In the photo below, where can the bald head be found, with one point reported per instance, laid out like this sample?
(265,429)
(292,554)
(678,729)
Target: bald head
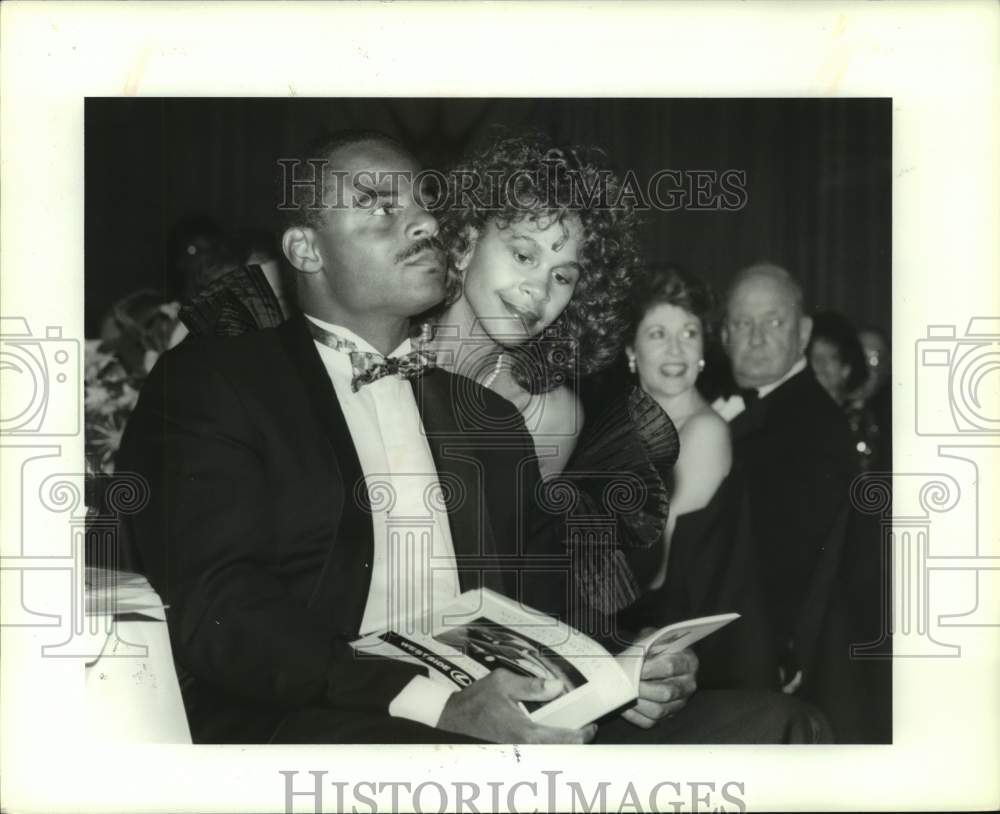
(768,273)
(765,331)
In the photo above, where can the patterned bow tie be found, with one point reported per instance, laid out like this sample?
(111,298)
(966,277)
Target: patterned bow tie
(367,367)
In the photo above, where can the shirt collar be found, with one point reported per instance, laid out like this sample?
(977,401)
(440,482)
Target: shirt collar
(794,370)
(362,344)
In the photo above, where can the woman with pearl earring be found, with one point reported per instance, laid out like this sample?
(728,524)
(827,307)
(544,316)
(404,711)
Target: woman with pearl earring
(538,280)
(671,325)
(708,561)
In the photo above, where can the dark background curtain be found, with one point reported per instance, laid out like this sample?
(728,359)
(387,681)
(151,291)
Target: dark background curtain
(818,177)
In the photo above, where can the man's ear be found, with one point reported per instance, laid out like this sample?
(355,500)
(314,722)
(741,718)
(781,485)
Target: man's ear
(471,239)
(299,246)
(805,332)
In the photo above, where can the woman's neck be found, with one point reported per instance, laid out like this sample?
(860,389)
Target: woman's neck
(464,347)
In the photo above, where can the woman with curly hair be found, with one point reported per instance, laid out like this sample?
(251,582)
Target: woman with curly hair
(541,257)
(542,246)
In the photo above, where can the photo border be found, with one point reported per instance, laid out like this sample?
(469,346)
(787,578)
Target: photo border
(939,65)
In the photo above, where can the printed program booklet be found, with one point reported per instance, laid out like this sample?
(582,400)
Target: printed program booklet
(482,630)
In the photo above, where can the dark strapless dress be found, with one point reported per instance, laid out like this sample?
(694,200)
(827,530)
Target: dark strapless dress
(713,569)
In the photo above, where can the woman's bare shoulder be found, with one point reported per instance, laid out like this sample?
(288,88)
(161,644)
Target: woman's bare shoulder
(707,431)
(705,459)
(707,421)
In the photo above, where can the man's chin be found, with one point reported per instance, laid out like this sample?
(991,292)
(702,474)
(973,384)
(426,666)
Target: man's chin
(423,299)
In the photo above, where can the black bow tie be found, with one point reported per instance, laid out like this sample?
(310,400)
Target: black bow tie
(749,395)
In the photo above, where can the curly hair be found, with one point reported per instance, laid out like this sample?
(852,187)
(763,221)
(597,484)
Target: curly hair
(672,285)
(530,177)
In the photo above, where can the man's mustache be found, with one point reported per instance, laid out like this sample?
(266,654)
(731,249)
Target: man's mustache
(422,245)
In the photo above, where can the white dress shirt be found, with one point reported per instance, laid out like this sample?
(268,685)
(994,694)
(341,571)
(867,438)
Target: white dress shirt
(734,405)
(413,569)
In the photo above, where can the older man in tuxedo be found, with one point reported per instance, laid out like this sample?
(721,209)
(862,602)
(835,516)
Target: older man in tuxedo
(794,446)
(266,533)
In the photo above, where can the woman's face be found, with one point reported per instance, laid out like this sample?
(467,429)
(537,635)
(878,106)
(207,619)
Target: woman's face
(668,346)
(518,280)
(831,372)
(876,360)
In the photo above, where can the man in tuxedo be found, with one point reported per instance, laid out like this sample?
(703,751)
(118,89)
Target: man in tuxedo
(795,448)
(281,463)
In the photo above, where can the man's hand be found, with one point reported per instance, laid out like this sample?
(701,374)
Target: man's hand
(488,710)
(666,682)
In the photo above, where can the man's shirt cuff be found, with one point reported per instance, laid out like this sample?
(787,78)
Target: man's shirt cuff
(422,700)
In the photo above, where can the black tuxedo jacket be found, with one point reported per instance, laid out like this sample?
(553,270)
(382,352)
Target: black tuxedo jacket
(794,447)
(257,536)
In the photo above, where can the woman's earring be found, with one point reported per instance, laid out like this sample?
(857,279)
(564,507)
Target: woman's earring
(425,333)
(701,364)
(631,364)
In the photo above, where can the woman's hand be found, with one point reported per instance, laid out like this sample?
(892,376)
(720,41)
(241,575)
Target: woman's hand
(666,682)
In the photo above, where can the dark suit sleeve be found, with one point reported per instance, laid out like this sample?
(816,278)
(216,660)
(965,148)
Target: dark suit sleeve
(207,546)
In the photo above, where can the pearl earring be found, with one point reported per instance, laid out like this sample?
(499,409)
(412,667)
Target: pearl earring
(631,364)
(701,364)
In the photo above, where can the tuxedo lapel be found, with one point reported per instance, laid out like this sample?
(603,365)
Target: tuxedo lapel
(322,397)
(346,576)
(753,419)
(462,478)
(750,420)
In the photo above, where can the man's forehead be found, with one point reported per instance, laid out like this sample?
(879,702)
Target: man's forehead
(373,157)
(762,292)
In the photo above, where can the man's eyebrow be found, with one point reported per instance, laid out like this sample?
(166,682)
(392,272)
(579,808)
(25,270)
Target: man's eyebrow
(376,197)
